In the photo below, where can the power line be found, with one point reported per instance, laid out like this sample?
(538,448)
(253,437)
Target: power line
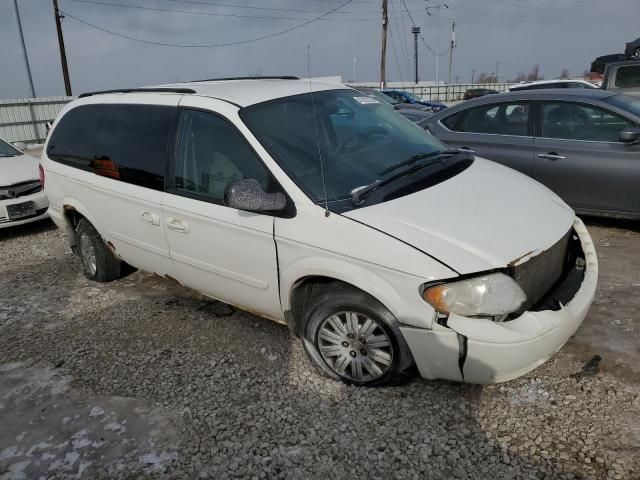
(212,45)
(194,12)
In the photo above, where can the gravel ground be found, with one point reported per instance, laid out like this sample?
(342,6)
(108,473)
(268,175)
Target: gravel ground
(142,378)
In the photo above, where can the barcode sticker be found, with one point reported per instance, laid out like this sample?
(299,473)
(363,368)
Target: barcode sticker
(365,100)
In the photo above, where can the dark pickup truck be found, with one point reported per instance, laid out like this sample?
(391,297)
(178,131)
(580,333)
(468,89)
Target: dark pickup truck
(623,77)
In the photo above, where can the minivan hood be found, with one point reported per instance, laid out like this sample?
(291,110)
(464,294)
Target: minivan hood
(489,216)
(21,168)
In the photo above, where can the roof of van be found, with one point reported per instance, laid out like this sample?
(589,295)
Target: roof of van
(245,92)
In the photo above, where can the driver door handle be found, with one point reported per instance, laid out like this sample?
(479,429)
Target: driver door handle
(152,218)
(177,225)
(551,156)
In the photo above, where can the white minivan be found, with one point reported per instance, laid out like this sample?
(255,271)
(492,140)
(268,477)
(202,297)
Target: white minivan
(314,205)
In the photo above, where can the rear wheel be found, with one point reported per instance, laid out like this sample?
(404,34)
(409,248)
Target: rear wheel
(351,337)
(636,54)
(98,262)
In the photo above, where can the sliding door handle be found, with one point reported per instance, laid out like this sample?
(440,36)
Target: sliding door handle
(177,225)
(152,218)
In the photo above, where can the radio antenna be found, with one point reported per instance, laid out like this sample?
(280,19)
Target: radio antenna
(315,123)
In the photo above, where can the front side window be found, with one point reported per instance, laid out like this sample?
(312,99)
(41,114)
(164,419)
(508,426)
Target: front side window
(7,150)
(210,155)
(573,121)
(129,143)
(500,119)
(628,77)
(350,137)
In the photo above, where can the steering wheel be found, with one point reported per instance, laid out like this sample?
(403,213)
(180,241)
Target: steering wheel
(352,143)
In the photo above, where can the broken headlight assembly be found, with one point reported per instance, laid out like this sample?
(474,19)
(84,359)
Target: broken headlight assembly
(490,295)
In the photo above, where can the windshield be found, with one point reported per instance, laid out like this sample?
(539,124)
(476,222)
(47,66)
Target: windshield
(357,137)
(382,97)
(626,102)
(7,150)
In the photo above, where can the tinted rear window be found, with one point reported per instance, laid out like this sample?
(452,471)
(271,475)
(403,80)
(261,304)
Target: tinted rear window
(125,142)
(628,76)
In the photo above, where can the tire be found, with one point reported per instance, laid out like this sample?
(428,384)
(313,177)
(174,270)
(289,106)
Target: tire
(636,54)
(371,357)
(98,263)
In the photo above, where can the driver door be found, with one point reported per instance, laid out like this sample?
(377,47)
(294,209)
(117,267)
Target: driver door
(223,252)
(578,155)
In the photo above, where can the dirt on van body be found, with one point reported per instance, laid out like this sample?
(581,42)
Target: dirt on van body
(142,378)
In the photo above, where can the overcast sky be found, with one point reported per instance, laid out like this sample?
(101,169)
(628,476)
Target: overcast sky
(555,34)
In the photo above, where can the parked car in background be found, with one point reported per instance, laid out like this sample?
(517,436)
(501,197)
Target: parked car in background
(478,92)
(413,112)
(317,207)
(623,77)
(540,84)
(584,144)
(22,199)
(600,63)
(632,49)
(405,97)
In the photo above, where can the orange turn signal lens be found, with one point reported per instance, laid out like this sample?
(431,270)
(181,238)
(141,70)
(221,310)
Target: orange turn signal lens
(435,296)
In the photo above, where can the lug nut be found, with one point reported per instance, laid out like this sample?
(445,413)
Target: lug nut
(345,344)
(352,353)
(363,351)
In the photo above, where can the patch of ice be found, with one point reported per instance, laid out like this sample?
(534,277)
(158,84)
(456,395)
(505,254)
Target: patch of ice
(154,461)
(16,471)
(9,452)
(96,411)
(5,367)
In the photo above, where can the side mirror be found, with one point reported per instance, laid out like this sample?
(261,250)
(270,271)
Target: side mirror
(249,195)
(20,146)
(630,135)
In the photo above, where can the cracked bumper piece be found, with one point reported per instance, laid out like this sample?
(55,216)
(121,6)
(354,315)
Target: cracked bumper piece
(498,352)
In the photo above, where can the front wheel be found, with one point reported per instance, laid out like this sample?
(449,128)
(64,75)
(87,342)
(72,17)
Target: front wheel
(636,54)
(351,337)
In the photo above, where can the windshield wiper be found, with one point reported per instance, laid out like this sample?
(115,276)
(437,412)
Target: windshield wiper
(358,194)
(417,157)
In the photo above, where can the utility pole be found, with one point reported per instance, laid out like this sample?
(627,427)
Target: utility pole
(416,32)
(451,47)
(437,7)
(355,61)
(383,53)
(473,74)
(24,50)
(497,72)
(63,53)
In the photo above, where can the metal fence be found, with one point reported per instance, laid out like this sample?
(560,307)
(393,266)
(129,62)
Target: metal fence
(445,93)
(25,119)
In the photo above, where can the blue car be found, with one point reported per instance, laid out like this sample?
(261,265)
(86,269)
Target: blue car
(403,96)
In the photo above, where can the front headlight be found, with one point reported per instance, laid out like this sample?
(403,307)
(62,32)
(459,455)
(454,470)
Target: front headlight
(493,294)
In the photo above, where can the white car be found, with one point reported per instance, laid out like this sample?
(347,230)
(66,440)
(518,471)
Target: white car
(542,84)
(316,206)
(22,199)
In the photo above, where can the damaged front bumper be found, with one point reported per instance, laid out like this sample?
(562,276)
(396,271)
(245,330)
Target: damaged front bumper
(483,351)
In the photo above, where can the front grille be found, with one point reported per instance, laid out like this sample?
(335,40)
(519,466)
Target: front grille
(540,274)
(20,189)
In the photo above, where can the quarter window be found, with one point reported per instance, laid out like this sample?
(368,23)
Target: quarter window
(501,119)
(211,154)
(124,142)
(572,121)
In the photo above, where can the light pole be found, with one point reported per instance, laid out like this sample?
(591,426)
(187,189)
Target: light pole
(437,7)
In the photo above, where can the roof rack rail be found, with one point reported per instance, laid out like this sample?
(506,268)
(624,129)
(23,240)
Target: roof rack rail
(280,77)
(139,90)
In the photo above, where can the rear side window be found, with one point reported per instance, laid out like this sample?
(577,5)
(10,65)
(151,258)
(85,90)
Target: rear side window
(451,122)
(129,143)
(501,119)
(628,77)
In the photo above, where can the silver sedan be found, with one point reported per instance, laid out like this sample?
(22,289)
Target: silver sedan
(582,144)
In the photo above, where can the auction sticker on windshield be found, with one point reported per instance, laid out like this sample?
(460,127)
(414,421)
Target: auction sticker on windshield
(365,100)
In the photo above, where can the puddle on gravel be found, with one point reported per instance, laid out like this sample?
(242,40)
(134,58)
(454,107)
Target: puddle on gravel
(48,428)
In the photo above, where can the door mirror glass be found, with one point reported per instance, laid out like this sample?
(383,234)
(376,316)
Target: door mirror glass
(249,195)
(630,135)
